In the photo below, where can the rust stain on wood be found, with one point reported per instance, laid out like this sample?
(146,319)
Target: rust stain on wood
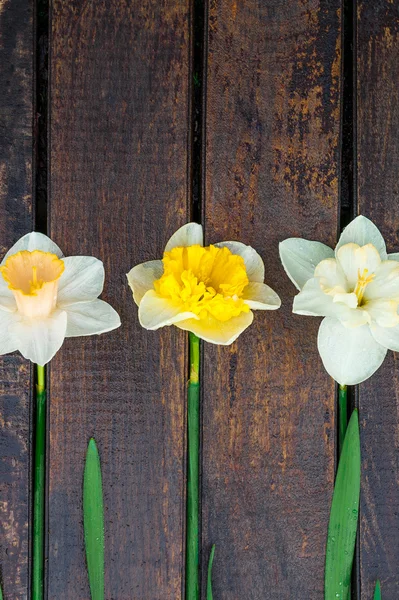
(272,130)
(119,153)
(307,107)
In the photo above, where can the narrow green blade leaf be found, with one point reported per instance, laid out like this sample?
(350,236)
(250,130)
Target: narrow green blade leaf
(343,517)
(377,591)
(209,595)
(1,593)
(93,520)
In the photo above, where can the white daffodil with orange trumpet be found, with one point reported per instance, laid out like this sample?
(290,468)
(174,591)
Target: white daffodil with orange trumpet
(210,291)
(356,289)
(45,297)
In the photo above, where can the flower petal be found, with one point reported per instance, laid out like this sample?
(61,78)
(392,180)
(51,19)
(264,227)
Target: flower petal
(349,355)
(82,280)
(7,299)
(394,256)
(156,312)
(190,234)
(8,341)
(253,262)
(90,318)
(300,258)
(386,336)
(355,259)
(362,231)
(383,312)
(312,301)
(141,278)
(261,297)
(218,332)
(385,283)
(349,299)
(331,276)
(34,241)
(40,339)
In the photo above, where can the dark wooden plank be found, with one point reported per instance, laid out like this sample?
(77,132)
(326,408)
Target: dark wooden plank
(272,130)
(119,188)
(378,199)
(16,150)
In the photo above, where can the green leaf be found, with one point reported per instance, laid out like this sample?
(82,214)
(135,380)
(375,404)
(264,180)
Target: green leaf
(377,591)
(344,517)
(93,520)
(209,595)
(1,593)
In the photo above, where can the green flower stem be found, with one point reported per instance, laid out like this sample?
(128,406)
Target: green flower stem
(39,488)
(193,444)
(342,415)
(343,424)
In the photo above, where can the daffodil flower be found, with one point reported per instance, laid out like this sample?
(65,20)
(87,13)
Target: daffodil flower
(209,291)
(356,289)
(45,297)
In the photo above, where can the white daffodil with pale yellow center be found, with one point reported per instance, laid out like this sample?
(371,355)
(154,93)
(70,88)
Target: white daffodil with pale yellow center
(210,291)
(45,297)
(356,289)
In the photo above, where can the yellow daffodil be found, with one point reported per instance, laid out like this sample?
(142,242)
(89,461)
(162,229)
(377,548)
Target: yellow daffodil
(356,289)
(209,290)
(45,297)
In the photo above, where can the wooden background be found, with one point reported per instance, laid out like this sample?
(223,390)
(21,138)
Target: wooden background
(140,114)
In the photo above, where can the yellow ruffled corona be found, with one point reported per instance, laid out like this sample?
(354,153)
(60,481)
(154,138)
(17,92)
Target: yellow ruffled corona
(209,291)
(205,281)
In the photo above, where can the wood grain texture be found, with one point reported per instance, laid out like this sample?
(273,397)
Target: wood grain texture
(378,199)
(16,149)
(272,132)
(119,187)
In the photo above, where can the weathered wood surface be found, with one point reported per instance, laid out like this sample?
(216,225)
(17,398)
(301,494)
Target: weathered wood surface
(119,158)
(378,199)
(16,154)
(272,133)
(120,170)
